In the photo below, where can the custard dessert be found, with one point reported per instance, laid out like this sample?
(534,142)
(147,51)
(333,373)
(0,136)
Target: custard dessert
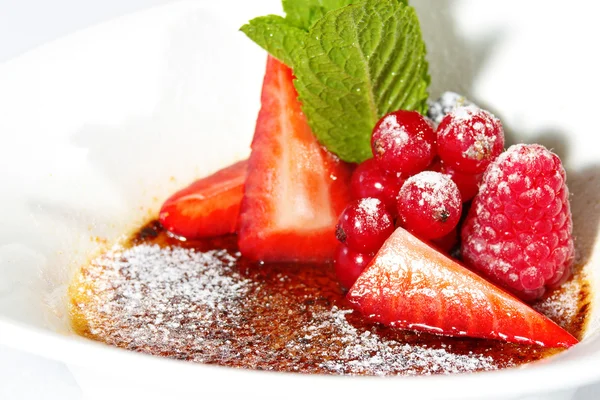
(371,231)
(201,301)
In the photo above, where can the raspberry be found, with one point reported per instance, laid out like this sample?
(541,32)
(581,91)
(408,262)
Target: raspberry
(519,229)
(447,102)
(368,180)
(364,225)
(403,142)
(429,204)
(349,264)
(469,139)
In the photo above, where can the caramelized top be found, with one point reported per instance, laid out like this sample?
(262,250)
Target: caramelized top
(201,301)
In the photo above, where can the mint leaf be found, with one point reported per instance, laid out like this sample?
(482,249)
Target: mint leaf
(281,37)
(276,35)
(354,63)
(304,13)
(357,64)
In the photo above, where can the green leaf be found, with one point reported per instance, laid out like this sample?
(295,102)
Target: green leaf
(357,64)
(276,35)
(304,13)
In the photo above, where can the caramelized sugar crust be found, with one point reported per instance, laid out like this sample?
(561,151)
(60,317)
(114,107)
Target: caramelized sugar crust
(201,301)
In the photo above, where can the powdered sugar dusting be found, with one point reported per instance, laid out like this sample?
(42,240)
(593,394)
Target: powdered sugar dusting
(469,138)
(466,113)
(565,305)
(146,296)
(369,205)
(483,144)
(447,102)
(436,190)
(370,210)
(522,215)
(362,351)
(210,306)
(391,126)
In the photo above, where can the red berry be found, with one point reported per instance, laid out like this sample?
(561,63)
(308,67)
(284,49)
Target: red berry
(349,264)
(429,204)
(436,165)
(368,180)
(208,207)
(364,225)
(469,139)
(403,142)
(410,285)
(468,184)
(447,242)
(519,231)
(295,189)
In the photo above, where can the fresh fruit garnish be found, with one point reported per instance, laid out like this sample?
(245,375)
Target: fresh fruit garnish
(353,65)
(403,142)
(469,139)
(429,205)
(295,189)
(410,285)
(446,243)
(364,225)
(208,207)
(282,37)
(519,230)
(368,180)
(349,264)
(444,105)
(468,184)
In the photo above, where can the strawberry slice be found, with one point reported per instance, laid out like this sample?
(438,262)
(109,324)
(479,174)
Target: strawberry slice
(410,285)
(295,189)
(208,207)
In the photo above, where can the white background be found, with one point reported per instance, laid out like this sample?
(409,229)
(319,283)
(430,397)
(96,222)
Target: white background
(24,25)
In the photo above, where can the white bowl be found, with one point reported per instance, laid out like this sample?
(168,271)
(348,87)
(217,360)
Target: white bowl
(100,127)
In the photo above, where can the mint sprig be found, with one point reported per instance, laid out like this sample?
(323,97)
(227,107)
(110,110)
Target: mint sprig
(353,65)
(276,35)
(304,13)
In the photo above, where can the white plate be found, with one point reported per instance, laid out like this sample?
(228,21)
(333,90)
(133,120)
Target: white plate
(94,126)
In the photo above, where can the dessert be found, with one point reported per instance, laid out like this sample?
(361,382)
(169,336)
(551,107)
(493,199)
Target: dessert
(200,301)
(348,242)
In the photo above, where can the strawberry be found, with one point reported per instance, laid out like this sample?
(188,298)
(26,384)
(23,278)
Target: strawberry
(410,285)
(295,189)
(208,207)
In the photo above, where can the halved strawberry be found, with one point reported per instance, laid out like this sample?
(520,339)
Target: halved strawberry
(410,285)
(295,189)
(208,207)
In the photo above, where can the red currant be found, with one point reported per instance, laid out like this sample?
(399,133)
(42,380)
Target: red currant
(368,180)
(349,265)
(468,184)
(429,204)
(403,142)
(364,225)
(447,242)
(469,139)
